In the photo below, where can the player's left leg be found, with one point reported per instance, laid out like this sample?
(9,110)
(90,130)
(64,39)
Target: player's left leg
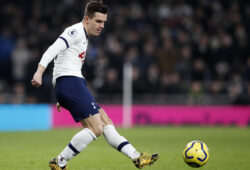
(121,144)
(92,129)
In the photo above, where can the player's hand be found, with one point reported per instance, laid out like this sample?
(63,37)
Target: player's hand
(58,106)
(37,79)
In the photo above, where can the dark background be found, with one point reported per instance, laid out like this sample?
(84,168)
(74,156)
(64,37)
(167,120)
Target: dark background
(183,52)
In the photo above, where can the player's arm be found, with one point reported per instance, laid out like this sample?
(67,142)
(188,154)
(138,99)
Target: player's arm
(47,57)
(37,78)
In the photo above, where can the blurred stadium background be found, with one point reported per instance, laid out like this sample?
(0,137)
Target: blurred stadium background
(185,54)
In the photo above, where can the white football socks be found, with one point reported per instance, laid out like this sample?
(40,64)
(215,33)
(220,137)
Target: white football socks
(119,142)
(78,143)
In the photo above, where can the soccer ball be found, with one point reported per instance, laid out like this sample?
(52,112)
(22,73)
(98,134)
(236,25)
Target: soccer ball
(196,154)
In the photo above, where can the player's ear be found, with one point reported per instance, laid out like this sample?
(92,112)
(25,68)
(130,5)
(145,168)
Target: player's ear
(86,19)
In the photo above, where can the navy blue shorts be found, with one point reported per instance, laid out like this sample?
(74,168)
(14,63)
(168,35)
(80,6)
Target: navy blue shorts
(72,94)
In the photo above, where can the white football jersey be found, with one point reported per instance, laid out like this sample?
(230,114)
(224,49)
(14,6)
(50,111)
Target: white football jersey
(68,51)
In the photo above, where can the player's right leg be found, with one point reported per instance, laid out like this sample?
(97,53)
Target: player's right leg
(92,129)
(122,145)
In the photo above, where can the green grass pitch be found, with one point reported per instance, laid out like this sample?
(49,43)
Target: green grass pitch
(229,148)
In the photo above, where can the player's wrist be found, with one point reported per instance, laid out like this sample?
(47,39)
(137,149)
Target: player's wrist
(40,69)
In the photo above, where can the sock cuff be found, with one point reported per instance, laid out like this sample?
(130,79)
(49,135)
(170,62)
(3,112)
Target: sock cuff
(91,133)
(108,127)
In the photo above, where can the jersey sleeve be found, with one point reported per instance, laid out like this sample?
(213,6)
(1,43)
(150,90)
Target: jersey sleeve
(70,36)
(52,52)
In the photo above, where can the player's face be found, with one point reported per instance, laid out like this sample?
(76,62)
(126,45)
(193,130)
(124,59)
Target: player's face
(96,24)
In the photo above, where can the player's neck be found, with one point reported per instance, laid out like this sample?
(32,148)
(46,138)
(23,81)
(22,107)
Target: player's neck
(85,28)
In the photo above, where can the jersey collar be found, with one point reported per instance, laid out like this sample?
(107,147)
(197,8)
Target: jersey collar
(85,33)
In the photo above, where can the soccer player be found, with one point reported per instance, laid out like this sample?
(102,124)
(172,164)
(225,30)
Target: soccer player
(69,52)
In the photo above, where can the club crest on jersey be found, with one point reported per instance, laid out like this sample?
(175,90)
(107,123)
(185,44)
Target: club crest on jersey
(72,33)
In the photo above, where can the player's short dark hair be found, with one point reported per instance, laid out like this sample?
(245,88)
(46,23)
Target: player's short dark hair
(95,6)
